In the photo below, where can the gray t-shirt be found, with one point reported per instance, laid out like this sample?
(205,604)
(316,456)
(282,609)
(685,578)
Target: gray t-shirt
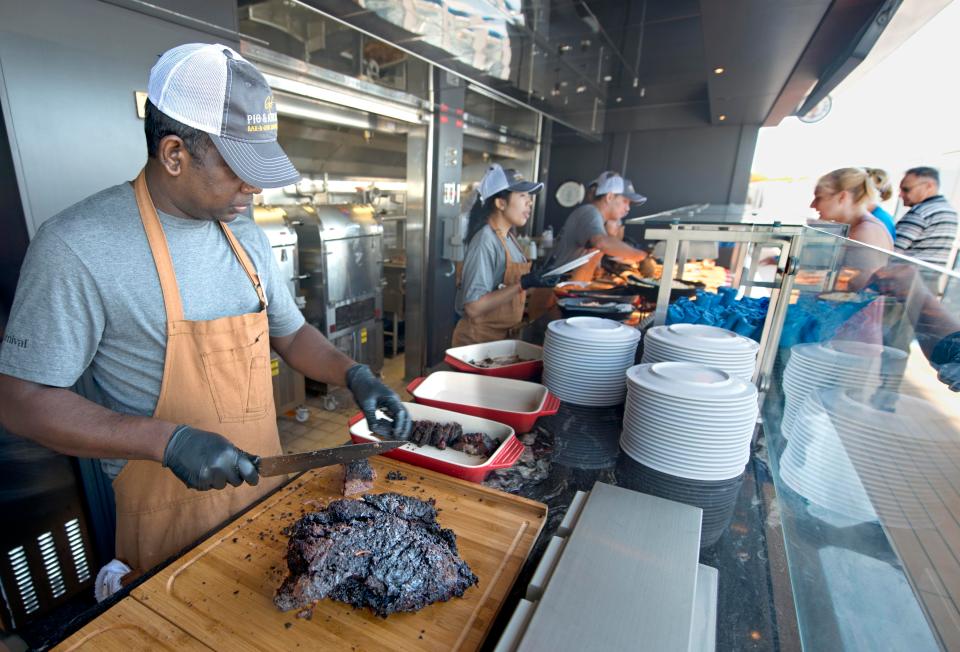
(484,265)
(89,297)
(574,240)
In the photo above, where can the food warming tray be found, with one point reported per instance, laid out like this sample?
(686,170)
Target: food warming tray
(449,461)
(516,403)
(462,358)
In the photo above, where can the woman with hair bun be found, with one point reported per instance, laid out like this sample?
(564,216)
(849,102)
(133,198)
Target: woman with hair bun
(881,181)
(844,196)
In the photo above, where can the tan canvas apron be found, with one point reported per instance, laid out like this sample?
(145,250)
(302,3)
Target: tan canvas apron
(503,321)
(216,377)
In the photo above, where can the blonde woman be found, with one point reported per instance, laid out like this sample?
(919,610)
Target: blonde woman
(881,181)
(844,196)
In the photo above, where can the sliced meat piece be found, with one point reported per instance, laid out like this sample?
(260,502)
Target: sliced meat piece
(358,477)
(475,443)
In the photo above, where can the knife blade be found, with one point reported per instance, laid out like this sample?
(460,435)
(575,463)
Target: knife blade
(297,462)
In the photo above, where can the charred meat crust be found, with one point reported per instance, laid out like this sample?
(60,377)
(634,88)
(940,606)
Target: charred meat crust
(386,552)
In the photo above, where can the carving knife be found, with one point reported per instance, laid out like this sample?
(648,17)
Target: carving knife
(297,462)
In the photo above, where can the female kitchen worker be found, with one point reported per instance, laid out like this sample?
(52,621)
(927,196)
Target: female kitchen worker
(496,274)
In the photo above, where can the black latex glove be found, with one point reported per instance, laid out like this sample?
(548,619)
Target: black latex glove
(205,460)
(534,280)
(372,395)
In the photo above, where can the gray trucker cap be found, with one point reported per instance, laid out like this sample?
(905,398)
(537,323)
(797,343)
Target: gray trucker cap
(212,88)
(613,182)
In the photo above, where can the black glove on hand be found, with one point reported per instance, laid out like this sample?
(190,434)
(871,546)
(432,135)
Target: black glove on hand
(534,280)
(205,460)
(372,395)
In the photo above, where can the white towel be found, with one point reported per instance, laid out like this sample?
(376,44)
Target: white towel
(108,579)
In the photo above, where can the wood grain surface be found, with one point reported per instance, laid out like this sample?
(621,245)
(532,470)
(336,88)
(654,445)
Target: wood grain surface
(129,626)
(221,592)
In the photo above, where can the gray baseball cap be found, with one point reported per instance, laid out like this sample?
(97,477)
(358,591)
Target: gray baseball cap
(212,88)
(613,182)
(497,180)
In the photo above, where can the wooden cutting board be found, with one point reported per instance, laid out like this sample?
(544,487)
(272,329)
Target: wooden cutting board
(129,626)
(221,592)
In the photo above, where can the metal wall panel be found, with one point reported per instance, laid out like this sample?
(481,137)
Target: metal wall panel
(419,175)
(69,72)
(672,167)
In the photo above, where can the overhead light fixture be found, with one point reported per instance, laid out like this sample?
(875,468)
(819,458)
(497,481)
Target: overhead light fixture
(619,99)
(607,78)
(581,89)
(719,70)
(722,117)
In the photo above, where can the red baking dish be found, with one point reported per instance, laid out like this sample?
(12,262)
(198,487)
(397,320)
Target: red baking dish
(517,403)
(449,461)
(463,358)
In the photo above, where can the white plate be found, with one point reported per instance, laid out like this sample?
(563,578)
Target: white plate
(690,380)
(682,354)
(663,409)
(686,408)
(715,427)
(744,372)
(573,264)
(700,337)
(685,461)
(592,329)
(589,358)
(711,431)
(709,462)
(671,468)
(673,449)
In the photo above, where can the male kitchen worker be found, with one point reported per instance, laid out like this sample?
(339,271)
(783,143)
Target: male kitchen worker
(171,297)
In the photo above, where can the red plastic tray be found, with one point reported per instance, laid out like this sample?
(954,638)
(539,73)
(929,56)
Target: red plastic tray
(427,457)
(521,422)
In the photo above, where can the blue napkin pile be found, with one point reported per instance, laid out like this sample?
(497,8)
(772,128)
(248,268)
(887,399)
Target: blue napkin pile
(723,310)
(813,320)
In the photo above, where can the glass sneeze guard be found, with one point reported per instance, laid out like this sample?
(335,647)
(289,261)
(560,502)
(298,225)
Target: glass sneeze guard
(863,437)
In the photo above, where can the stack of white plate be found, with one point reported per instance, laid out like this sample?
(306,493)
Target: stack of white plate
(585,359)
(709,345)
(689,420)
(838,363)
(875,454)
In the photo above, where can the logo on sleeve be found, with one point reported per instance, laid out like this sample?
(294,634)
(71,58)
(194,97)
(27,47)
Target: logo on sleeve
(19,342)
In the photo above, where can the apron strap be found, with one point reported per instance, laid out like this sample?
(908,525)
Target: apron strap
(161,253)
(503,240)
(159,249)
(246,264)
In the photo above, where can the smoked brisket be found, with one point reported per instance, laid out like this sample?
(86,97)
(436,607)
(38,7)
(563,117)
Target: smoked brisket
(358,476)
(386,552)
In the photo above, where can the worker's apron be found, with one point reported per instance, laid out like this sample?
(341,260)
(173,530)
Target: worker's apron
(503,322)
(216,377)
(544,299)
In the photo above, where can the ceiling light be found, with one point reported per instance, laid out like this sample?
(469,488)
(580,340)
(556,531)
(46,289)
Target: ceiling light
(619,99)
(581,89)
(607,78)
(722,117)
(719,70)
